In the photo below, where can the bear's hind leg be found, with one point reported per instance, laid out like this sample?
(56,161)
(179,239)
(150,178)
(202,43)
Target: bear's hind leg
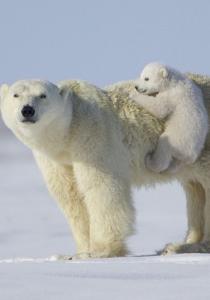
(207,216)
(195,195)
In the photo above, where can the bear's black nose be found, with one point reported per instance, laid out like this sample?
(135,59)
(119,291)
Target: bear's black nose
(28,111)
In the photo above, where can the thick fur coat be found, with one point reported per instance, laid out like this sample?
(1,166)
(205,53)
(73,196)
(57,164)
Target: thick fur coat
(171,96)
(92,152)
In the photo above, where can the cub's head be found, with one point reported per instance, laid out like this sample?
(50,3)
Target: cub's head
(153,79)
(30,107)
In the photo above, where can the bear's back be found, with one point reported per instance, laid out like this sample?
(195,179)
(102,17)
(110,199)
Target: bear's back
(203,82)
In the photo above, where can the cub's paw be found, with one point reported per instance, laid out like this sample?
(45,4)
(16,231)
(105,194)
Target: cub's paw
(154,165)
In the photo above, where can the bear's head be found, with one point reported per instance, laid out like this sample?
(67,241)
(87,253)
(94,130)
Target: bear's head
(34,110)
(153,79)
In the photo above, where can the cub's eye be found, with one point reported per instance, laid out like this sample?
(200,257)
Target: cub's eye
(16,95)
(146,78)
(42,96)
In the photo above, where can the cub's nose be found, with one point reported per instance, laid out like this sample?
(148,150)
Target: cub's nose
(28,111)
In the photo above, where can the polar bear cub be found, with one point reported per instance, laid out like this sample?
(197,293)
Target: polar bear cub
(170,95)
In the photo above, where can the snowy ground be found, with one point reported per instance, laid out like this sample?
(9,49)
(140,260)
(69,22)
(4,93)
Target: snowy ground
(32,229)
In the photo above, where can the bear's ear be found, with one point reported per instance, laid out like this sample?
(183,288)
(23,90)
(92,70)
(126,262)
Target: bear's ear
(164,73)
(3,90)
(65,92)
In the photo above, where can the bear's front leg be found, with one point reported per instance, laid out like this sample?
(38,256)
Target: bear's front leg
(61,183)
(111,214)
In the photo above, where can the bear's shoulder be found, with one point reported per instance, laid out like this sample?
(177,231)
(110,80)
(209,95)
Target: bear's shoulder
(85,91)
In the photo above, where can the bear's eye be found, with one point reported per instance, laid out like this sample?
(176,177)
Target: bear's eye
(16,95)
(42,96)
(146,78)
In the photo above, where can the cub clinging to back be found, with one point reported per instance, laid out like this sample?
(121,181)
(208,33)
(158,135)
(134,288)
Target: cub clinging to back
(172,96)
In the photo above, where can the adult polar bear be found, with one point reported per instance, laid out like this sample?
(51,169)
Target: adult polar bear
(90,145)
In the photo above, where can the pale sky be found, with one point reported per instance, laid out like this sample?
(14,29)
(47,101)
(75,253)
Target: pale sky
(101,41)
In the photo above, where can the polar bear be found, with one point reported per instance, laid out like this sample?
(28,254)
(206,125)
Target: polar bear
(77,133)
(90,145)
(174,96)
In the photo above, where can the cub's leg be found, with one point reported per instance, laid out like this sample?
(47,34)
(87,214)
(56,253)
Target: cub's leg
(61,184)
(175,166)
(160,160)
(110,209)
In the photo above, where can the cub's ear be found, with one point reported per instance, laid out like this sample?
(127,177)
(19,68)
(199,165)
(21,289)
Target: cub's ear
(4,88)
(163,72)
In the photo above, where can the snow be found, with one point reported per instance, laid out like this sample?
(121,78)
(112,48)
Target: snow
(123,278)
(33,231)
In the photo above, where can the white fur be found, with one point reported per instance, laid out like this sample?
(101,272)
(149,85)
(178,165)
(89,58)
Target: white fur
(81,145)
(171,95)
(90,145)
(51,110)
